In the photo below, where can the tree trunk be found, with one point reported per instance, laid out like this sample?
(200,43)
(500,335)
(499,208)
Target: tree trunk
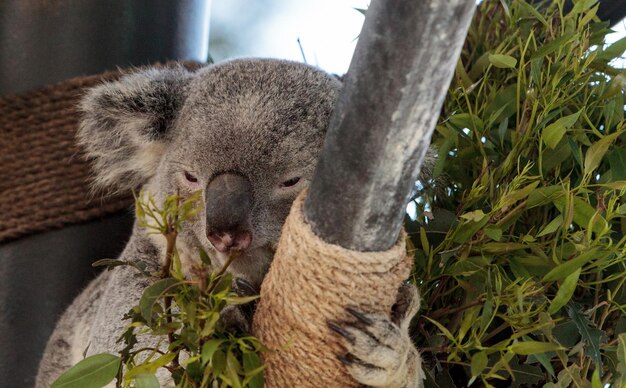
(382,124)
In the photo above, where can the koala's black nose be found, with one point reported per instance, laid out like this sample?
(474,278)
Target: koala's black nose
(228,207)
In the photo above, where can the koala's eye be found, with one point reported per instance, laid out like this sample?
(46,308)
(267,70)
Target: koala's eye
(291,182)
(190,177)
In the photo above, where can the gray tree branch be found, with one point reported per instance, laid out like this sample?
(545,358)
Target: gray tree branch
(384,119)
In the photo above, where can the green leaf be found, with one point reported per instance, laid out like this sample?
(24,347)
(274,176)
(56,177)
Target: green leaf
(218,362)
(576,151)
(233,370)
(152,294)
(476,216)
(582,5)
(504,247)
(615,87)
(204,257)
(552,227)
(591,335)
(502,105)
(93,372)
(525,375)
(209,348)
(565,292)
(236,300)
(533,347)
(443,155)
(479,363)
(583,214)
(493,232)
(152,366)
(468,229)
(613,51)
(253,368)
(621,359)
(553,133)
(617,161)
(556,157)
(617,185)
(566,268)
(596,152)
(551,47)
(109,263)
(544,195)
(502,61)
(544,360)
(520,194)
(530,9)
(566,333)
(595,379)
(146,380)
(466,120)
(442,328)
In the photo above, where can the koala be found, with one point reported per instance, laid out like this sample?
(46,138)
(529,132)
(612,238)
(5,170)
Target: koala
(247,133)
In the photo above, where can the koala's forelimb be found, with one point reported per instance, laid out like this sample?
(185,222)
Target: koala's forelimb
(379,351)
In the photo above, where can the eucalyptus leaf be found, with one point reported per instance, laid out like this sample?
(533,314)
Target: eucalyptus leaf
(566,290)
(532,347)
(613,51)
(621,358)
(596,152)
(502,61)
(553,133)
(146,380)
(93,372)
(479,363)
(152,294)
(253,368)
(617,161)
(568,267)
(559,42)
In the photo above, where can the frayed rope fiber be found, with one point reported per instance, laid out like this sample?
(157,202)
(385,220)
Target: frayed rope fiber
(309,283)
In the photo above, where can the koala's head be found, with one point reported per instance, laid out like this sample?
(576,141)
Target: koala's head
(245,132)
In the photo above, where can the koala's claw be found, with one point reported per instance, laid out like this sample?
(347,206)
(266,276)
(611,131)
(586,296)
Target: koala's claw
(339,330)
(379,351)
(238,318)
(346,359)
(235,319)
(244,288)
(360,316)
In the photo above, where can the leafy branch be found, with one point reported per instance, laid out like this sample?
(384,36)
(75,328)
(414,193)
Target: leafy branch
(195,348)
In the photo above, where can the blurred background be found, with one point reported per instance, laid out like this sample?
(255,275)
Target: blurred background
(326,29)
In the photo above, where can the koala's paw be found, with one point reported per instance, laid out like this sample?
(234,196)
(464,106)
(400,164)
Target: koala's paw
(238,318)
(379,351)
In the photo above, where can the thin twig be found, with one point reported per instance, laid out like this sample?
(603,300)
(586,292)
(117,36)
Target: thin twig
(447,311)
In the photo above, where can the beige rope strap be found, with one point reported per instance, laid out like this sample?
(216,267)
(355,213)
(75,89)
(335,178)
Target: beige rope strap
(309,283)
(44,178)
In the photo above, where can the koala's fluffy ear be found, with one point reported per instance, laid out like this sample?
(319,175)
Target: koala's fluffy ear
(127,124)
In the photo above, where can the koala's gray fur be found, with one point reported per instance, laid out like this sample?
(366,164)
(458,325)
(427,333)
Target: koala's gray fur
(261,119)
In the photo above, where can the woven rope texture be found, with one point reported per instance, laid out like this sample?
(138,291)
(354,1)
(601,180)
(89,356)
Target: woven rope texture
(310,283)
(44,178)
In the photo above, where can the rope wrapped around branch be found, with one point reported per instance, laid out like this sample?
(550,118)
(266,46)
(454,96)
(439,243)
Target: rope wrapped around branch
(309,283)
